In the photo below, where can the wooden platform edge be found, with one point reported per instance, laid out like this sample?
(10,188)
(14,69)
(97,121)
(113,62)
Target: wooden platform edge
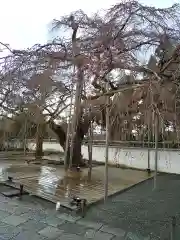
(31,193)
(12,185)
(68,206)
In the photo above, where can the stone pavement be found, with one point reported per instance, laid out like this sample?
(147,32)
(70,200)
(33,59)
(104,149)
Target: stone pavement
(143,210)
(34,219)
(140,213)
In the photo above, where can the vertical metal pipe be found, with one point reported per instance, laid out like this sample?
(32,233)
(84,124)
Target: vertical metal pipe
(68,133)
(90,149)
(25,132)
(149,140)
(107,150)
(173,228)
(156,132)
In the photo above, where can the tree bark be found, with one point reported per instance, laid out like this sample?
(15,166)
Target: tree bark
(39,140)
(81,131)
(76,153)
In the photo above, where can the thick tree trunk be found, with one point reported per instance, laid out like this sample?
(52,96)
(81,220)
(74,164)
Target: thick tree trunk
(76,154)
(39,140)
(78,139)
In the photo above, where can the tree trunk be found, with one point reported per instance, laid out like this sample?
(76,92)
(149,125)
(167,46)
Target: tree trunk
(39,140)
(76,154)
(76,150)
(81,130)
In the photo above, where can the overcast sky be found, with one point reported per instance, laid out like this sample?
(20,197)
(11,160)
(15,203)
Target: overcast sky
(24,23)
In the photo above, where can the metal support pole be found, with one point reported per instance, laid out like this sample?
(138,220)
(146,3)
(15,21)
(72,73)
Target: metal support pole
(90,150)
(107,150)
(67,147)
(148,169)
(25,131)
(173,228)
(149,139)
(156,132)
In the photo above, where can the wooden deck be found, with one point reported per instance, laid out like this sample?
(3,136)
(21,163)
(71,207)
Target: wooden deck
(52,183)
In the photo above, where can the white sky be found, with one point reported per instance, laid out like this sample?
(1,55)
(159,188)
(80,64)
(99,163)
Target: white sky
(24,23)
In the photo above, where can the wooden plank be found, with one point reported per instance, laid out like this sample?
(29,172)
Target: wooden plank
(13,193)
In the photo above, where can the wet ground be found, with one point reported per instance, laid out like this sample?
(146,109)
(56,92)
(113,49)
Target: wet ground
(52,183)
(137,214)
(145,212)
(32,218)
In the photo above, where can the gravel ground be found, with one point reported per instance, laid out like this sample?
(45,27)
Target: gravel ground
(142,210)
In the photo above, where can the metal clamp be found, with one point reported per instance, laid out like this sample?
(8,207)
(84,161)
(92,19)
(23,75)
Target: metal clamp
(81,205)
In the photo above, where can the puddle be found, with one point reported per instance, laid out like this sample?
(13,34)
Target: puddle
(48,180)
(64,185)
